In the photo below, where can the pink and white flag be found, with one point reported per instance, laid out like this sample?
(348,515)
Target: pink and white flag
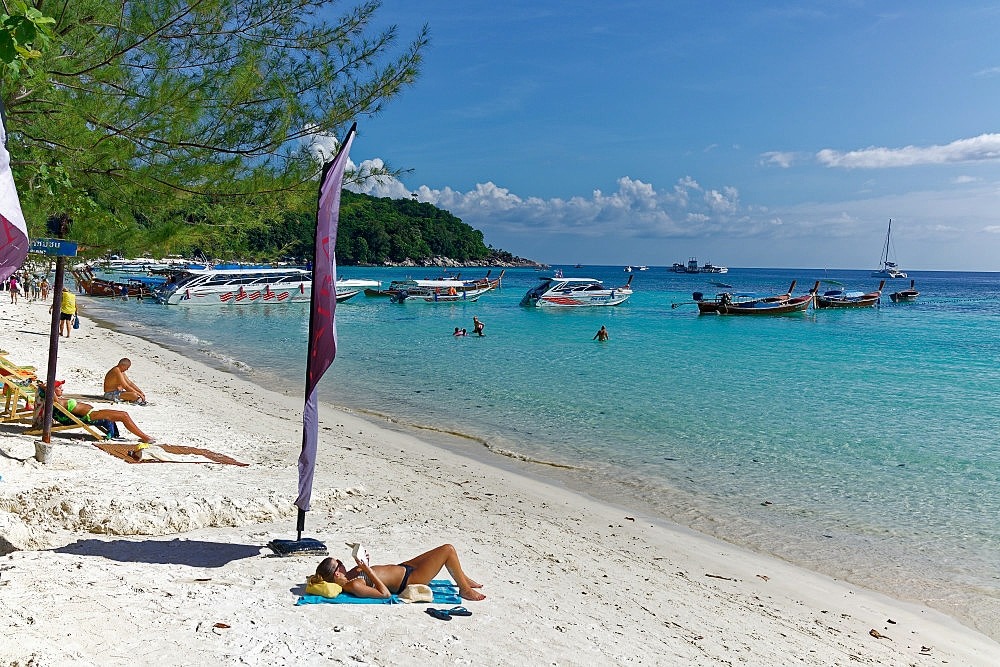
(13,231)
(322,315)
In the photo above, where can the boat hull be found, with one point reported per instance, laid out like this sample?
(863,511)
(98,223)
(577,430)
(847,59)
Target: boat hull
(781,304)
(591,300)
(207,297)
(405,296)
(845,303)
(904,296)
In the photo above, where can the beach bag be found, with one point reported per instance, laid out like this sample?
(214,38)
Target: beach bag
(108,426)
(76,321)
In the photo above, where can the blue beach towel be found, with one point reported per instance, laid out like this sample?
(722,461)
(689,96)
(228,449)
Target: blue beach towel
(445,592)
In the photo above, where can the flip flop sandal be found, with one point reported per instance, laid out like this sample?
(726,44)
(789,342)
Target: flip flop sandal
(459,611)
(439,614)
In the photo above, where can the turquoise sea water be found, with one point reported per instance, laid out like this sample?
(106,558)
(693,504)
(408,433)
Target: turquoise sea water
(864,444)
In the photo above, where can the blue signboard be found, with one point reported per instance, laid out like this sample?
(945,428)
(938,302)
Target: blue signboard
(55,247)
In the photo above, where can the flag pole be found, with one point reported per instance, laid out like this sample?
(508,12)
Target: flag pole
(322,338)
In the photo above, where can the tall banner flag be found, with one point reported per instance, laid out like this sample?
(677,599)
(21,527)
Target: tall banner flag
(13,231)
(322,320)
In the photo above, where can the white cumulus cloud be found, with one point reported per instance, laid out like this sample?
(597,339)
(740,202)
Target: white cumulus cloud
(976,149)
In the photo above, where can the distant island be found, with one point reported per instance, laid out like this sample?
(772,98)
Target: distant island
(379,231)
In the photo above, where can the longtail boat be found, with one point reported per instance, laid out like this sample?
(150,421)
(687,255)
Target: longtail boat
(905,295)
(438,286)
(840,298)
(737,304)
(98,287)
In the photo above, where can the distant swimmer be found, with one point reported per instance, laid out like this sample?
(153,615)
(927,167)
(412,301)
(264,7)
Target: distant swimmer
(477,326)
(602,334)
(459,332)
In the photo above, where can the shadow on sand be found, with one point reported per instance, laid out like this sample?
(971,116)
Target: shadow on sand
(194,553)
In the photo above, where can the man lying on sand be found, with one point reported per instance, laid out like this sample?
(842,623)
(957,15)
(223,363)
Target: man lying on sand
(118,387)
(382,581)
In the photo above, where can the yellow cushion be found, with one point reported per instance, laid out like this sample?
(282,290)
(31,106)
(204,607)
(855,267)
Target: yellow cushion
(326,589)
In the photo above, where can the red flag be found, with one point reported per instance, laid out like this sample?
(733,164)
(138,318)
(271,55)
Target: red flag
(13,231)
(322,322)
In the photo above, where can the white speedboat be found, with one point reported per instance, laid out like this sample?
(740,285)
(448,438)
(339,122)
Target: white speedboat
(708,267)
(576,292)
(357,283)
(213,287)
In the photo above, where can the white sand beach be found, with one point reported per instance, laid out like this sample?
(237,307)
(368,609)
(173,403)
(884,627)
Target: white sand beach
(108,563)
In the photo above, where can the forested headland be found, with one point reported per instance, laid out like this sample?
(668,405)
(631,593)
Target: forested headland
(372,230)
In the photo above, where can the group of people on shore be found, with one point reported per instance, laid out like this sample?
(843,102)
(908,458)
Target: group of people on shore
(31,287)
(117,387)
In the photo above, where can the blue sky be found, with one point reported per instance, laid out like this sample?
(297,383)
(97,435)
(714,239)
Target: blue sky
(744,133)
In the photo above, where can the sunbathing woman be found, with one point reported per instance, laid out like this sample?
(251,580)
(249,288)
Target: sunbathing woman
(87,412)
(381,581)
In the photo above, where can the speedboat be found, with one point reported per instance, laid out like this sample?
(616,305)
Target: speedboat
(575,292)
(358,284)
(213,287)
(708,267)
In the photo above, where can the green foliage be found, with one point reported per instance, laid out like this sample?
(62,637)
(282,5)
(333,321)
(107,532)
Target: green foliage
(24,33)
(376,230)
(141,108)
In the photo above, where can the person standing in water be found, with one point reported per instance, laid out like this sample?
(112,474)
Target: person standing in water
(477,326)
(602,334)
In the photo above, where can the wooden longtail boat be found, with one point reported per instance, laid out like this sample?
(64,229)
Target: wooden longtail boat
(843,299)
(779,304)
(442,286)
(905,295)
(99,287)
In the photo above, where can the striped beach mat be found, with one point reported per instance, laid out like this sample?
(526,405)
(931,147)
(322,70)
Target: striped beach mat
(130,453)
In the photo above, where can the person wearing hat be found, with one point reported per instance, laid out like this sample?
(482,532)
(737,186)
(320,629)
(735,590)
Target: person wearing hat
(88,413)
(67,312)
(382,581)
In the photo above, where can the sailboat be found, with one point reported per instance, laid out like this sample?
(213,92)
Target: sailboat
(888,269)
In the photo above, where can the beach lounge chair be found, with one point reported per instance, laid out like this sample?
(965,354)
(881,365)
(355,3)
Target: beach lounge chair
(62,420)
(18,398)
(17,390)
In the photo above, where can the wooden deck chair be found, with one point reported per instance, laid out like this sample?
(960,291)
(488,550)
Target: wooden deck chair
(8,367)
(17,391)
(66,421)
(18,399)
